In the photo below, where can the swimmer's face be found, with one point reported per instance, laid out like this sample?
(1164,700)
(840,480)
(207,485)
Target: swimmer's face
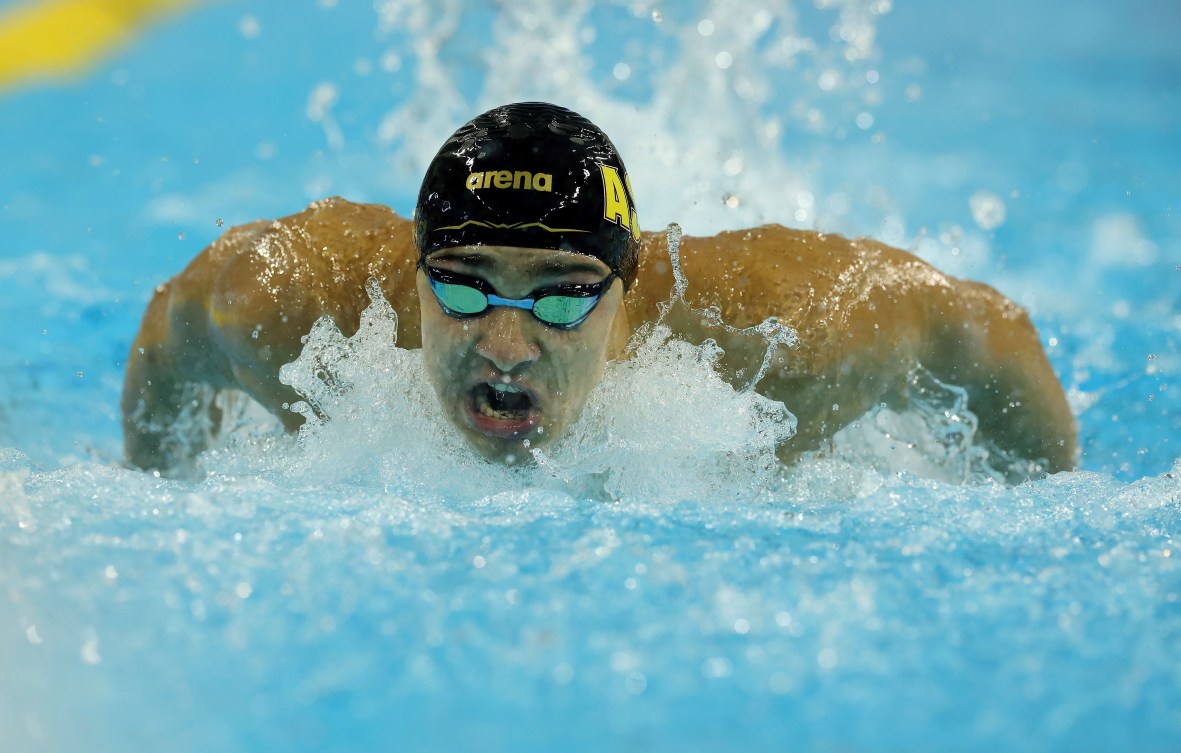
(506,380)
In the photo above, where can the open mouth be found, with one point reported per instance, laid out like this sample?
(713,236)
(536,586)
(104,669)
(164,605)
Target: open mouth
(502,410)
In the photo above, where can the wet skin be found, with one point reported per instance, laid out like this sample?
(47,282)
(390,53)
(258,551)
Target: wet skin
(543,374)
(867,315)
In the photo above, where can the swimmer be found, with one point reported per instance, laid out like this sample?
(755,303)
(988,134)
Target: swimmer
(524,272)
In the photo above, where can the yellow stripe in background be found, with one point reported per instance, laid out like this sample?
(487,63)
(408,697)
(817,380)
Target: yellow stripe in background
(58,38)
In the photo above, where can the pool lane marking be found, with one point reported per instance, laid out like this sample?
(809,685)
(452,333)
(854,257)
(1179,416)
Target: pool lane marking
(52,39)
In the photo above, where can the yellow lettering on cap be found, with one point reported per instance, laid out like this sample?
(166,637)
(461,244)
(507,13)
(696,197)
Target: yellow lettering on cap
(517,179)
(615,205)
(627,179)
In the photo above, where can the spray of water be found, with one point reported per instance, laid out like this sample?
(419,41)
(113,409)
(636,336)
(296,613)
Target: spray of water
(669,421)
(663,424)
(759,65)
(753,61)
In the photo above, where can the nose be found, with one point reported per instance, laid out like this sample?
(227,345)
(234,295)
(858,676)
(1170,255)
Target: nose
(506,340)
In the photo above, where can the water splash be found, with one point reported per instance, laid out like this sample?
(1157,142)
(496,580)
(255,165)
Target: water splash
(930,431)
(667,406)
(773,334)
(765,72)
(671,420)
(662,425)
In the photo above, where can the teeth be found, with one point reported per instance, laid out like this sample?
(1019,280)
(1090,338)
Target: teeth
(507,388)
(500,395)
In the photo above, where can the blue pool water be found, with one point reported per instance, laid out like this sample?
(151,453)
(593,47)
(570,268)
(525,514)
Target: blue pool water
(310,596)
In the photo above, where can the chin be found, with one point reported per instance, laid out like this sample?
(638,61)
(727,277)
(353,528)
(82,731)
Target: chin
(504,451)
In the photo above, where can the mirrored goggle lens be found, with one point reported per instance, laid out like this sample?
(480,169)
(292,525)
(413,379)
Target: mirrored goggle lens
(460,298)
(562,309)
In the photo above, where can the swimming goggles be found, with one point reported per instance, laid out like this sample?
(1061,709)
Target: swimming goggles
(559,306)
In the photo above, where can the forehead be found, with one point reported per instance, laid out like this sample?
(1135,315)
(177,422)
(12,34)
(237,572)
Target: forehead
(519,261)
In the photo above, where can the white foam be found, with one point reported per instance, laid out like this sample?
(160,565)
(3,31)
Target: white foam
(668,422)
(662,425)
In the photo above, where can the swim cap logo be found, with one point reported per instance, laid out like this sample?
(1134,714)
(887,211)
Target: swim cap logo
(510,179)
(618,205)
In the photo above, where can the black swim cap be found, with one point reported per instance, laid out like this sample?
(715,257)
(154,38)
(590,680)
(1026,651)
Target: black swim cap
(533,175)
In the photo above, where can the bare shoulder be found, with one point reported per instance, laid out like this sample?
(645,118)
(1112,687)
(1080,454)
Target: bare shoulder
(793,269)
(238,312)
(832,289)
(276,278)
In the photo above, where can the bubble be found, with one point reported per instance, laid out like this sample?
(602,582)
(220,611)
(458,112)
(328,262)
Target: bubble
(717,667)
(89,651)
(827,658)
(988,210)
(249,27)
(635,683)
(1119,240)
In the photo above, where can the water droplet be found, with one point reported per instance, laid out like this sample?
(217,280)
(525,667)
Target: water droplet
(89,651)
(249,27)
(988,210)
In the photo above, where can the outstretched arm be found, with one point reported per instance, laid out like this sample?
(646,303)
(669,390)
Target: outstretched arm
(986,343)
(175,364)
(238,312)
(867,315)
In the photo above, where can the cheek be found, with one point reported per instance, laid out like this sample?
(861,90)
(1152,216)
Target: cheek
(443,347)
(582,364)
